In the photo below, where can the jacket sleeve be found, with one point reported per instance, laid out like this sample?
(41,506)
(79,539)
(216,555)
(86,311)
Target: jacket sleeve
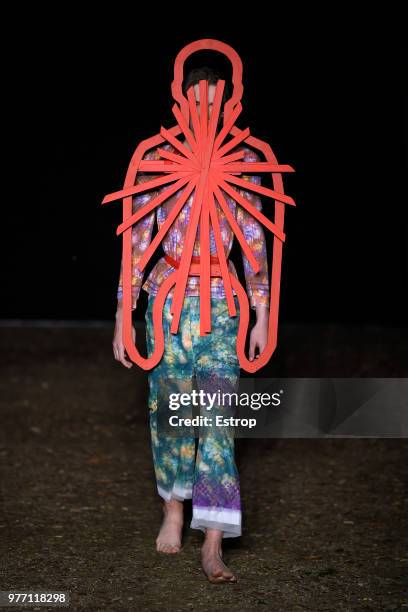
(257,284)
(141,236)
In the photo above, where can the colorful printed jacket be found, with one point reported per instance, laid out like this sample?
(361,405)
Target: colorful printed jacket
(257,284)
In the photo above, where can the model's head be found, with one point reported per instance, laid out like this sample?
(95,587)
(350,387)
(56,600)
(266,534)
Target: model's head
(194,76)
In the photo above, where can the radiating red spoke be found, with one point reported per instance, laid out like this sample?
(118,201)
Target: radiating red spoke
(235,227)
(203,89)
(141,187)
(175,211)
(231,144)
(252,209)
(227,126)
(192,102)
(179,145)
(205,265)
(229,158)
(252,167)
(185,263)
(166,166)
(250,186)
(215,115)
(154,203)
(221,256)
(185,129)
(178,159)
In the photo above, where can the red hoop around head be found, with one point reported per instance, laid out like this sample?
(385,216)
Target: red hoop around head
(209,44)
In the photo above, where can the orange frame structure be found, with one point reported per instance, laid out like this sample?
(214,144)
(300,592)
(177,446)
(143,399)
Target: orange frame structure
(210,166)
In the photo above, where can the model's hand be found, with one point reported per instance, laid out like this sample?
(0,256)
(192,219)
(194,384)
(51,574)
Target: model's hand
(119,350)
(259,333)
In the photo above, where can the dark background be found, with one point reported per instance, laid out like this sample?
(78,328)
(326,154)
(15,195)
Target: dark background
(325,523)
(327,94)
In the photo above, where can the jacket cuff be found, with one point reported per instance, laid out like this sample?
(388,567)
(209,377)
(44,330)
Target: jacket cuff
(259,297)
(135,295)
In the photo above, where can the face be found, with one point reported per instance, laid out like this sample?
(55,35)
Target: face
(211,94)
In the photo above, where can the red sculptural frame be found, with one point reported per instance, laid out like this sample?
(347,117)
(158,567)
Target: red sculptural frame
(206,169)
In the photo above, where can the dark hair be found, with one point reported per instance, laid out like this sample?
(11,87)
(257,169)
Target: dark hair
(212,76)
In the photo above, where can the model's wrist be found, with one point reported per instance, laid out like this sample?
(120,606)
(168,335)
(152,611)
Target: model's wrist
(119,310)
(262,312)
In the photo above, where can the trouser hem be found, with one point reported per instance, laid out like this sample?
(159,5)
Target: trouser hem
(229,531)
(179,493)
(226,520)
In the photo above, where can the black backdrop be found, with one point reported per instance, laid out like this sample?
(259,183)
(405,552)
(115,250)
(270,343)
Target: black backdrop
(326,93)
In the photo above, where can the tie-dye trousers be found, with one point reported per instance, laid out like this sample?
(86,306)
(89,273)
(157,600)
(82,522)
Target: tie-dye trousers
(205,471)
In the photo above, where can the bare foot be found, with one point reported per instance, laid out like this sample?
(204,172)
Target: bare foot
(213,565)
(169,538)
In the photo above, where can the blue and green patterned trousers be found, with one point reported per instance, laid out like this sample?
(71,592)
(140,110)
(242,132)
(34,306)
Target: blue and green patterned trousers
(207,474)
